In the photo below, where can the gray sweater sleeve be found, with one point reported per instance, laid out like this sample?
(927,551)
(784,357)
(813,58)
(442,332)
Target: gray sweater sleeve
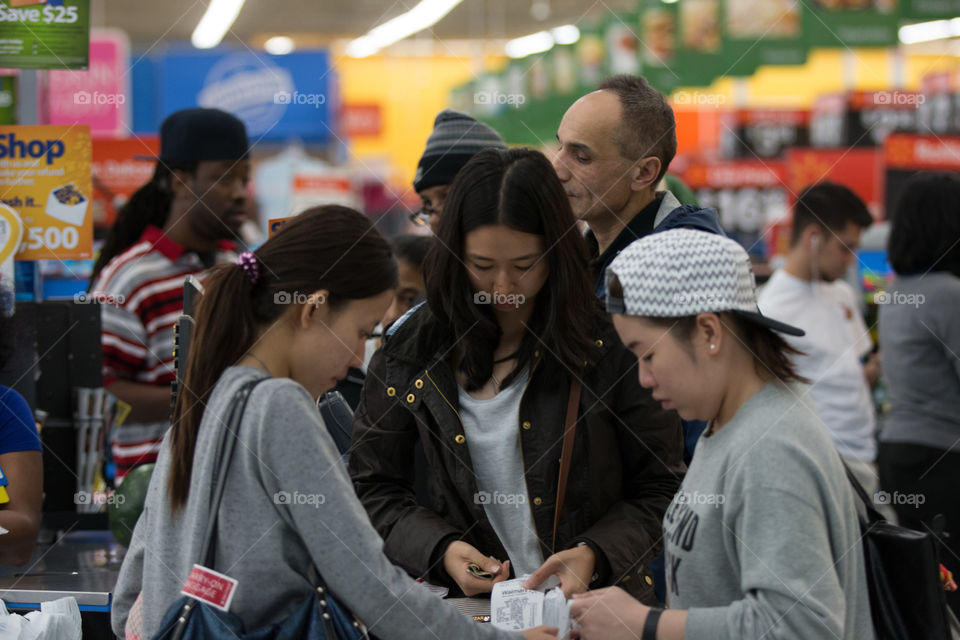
(786,571)
(334,527)
(946,328)
(131,577)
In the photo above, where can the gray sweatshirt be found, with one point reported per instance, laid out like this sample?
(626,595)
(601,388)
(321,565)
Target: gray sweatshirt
(920,343)
(762,540)
(288,503)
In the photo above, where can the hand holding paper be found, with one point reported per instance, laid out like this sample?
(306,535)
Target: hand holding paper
(515,608)
(574,567)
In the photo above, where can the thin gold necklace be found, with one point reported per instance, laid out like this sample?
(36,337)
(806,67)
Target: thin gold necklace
(265,367)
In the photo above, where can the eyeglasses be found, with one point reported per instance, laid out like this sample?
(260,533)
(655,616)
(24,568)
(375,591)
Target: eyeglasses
(421,218)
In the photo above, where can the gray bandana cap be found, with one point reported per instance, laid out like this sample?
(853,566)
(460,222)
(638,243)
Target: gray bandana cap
(456,138)
(684,272)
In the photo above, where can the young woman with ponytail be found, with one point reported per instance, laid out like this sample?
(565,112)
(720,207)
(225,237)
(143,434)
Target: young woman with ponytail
(180,223)
(294,315)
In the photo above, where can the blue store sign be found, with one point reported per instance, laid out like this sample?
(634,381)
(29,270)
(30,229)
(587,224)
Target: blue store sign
(278,97)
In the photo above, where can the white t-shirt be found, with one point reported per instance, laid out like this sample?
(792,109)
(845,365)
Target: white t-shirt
(836,340)
(492,430)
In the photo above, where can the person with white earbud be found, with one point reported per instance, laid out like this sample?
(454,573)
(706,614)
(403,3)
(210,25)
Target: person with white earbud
(837,352)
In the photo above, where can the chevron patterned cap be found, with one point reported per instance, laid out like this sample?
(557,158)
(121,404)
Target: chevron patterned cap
(684,272)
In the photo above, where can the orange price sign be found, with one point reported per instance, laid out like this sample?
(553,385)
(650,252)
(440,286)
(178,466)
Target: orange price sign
(45,178)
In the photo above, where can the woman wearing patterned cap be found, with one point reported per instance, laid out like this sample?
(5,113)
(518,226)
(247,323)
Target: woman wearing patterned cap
(456,138)
(763,539)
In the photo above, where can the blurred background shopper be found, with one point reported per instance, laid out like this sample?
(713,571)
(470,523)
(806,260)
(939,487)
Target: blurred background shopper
(180,223)
(920,339)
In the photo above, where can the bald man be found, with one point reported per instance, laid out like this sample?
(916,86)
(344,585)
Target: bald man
(615,146)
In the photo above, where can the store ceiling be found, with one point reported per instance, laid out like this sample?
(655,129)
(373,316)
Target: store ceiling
(148,22)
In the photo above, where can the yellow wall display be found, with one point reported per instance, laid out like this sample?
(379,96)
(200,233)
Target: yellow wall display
(826,71)
(411,90)
(45,177)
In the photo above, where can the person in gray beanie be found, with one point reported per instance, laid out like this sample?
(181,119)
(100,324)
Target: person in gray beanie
(456,138)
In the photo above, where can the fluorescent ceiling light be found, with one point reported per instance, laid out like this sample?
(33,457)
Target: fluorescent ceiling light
(542,41)
(567,34)
(527,45)
(426,14)
(215,23)
(928,31)
(279,45)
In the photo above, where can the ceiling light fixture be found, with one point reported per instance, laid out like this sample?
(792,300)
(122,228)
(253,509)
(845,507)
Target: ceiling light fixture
(542,41)
(215,23)
(279,45)
(426,14)
(567,34)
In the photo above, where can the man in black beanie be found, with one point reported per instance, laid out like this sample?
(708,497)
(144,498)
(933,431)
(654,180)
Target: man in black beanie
(180,223)
(455,139)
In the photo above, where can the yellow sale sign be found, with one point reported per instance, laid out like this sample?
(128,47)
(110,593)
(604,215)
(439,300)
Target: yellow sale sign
(45,177)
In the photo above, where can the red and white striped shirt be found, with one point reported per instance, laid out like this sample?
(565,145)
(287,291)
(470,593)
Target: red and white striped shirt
(141,291)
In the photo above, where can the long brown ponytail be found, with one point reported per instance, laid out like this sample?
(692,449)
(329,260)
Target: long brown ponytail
(330,247)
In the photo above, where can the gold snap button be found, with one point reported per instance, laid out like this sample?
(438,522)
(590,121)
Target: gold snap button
(460,439)
(526,425)
(536,353)
(391,391)
(418,384)
(648,579)
(411,398)
(599,343)
(537,501)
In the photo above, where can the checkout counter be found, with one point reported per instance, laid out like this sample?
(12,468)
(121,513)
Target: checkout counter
(56,352)
(58,346)
(82,564)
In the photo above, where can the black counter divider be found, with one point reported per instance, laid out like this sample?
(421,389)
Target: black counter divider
(57,349)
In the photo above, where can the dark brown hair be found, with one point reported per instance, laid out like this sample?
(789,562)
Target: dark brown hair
(519,189)
(830,206)
(926,225)
(649,126)
(331,247)
(771,353)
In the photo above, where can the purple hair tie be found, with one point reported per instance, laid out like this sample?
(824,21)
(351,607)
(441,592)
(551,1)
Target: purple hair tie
(250,265)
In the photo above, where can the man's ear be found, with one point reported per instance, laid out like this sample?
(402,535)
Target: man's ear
(813,237)
(182,183)
(645,173)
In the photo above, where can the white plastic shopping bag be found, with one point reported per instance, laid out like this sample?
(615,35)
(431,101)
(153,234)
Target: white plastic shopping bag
(56,620)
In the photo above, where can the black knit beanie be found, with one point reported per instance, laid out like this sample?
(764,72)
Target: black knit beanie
(455,139)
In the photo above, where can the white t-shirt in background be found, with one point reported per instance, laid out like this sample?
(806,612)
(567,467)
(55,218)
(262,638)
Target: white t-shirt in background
(837,338)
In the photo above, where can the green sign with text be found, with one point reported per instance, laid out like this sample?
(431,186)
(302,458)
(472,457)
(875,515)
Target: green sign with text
(45,36)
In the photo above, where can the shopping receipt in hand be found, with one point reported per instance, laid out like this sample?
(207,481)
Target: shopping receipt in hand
(514,608)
